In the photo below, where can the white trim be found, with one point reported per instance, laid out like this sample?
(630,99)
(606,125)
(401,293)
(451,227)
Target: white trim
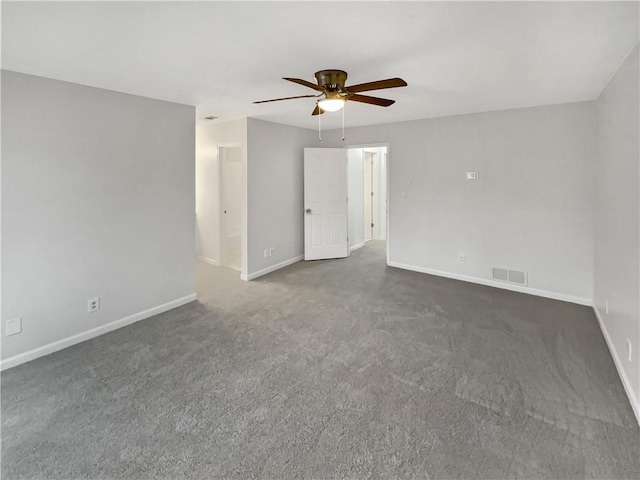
(493,283)
(356,246)
(210,261)
(635,405)
(94,332)
(272,268)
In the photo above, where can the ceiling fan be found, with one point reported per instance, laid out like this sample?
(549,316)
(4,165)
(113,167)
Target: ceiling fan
(334,93)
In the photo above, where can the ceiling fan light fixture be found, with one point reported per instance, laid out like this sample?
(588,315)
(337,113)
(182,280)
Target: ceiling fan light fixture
(331,85)
(331,104)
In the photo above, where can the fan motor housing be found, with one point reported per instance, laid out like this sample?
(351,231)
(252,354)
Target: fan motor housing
(331,79)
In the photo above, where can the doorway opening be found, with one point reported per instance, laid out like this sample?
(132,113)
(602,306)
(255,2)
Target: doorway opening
(368,203)
(230,201)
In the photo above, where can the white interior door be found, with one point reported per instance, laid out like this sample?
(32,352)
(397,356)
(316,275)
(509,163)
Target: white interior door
(325,203)
(368,196)
(380,230)
(231,183)
(377,199)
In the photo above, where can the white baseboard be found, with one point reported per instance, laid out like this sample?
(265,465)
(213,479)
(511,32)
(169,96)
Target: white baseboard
(210,261)
(493,283)
(356,246)
(94,332)
(272,268)
(621,373)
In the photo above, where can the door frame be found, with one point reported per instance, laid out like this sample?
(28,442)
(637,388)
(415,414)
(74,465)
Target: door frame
(388,182)
(222,242)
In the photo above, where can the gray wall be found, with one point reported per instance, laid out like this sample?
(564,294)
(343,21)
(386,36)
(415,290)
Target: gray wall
(97,200)
(275,161)
(531,208)
(617,226)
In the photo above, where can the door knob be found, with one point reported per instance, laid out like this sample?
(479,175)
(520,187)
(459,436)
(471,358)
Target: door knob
(308,210)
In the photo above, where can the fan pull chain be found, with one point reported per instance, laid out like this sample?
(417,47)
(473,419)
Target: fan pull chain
(343,108)
(319,125)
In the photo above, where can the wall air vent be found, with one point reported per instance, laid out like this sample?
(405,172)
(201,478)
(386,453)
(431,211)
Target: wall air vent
(501,274)
(517,277)
(509,276)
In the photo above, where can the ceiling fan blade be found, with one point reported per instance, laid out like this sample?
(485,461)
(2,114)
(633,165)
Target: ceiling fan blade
(379,85)
(299,81)
(285,98)
(317,110)
(382,102)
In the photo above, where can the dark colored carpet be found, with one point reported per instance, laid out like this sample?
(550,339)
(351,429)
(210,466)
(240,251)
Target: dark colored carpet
(334,369)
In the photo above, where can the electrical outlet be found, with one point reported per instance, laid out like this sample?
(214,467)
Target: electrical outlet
(606,307)
(271,250)
(93,305)
(629,350)
(266,252)
(461,258)
(13,326)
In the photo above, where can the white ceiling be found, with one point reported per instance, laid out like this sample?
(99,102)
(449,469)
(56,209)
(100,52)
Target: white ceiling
(457,57)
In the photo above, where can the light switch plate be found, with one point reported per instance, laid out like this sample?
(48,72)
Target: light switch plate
(472,175)
(13,326)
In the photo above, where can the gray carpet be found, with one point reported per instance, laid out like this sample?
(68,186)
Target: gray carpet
(334,369)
